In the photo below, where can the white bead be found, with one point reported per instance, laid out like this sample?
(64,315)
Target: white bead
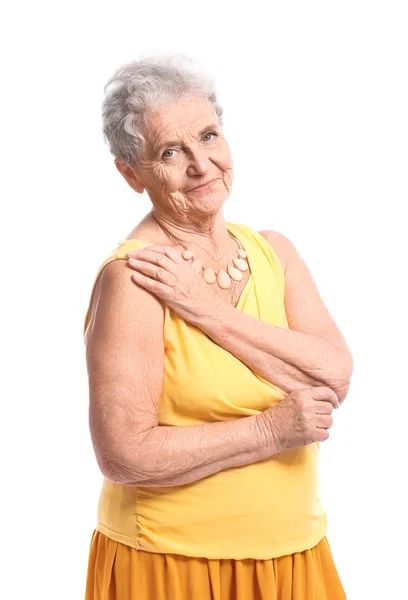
(187,254)
(242,253)
(235,273)
(240,263)
(197,265)
(209,275)
(223,279)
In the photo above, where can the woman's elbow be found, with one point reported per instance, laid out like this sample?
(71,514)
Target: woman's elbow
(125,468)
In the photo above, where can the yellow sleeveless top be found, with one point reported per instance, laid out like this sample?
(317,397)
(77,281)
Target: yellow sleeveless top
(263,510)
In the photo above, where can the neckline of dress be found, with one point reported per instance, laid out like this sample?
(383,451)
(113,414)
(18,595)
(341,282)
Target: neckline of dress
(250,281)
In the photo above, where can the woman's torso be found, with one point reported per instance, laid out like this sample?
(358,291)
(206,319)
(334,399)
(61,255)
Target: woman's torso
(262,510)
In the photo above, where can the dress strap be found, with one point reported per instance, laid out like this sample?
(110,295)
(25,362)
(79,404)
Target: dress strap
(267,271)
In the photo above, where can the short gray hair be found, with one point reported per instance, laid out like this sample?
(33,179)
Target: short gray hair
(146,84)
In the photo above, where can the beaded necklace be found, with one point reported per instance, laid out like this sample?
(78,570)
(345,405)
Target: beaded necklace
(233,272)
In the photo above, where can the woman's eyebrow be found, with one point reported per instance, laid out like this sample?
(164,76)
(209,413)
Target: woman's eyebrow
(175,142)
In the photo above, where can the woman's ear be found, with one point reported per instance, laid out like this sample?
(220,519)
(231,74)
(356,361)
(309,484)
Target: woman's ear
(129,175)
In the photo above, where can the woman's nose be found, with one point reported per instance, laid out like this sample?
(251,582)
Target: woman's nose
(198,162)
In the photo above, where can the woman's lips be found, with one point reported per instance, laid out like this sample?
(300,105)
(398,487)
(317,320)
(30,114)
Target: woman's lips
(201,187)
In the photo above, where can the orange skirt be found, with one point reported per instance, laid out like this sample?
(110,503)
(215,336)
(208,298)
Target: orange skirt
(119,572)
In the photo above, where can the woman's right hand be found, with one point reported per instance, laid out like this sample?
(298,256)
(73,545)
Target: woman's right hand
(303,417)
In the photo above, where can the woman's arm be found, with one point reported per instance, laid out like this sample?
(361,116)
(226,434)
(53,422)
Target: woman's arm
(289,359)
(125,360)
(312,352)
(171,456)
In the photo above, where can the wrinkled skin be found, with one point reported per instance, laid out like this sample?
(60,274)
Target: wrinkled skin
(185,148)
(168,172)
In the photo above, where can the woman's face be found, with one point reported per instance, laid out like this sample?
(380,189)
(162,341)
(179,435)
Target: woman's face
(185,149)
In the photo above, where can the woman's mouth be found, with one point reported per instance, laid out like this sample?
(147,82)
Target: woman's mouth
(203,186)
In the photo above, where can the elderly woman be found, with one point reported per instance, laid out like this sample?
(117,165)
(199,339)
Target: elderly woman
(214,370)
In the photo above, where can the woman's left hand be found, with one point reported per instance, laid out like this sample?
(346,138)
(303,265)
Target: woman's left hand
(163,272)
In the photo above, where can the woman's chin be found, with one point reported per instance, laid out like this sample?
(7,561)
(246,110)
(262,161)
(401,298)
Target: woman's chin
(209,204)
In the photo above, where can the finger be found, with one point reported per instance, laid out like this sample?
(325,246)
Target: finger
(161,290)
(158,254)
(323,408)
(326,394)
(155,258)
(324,421)
(170,252)
(152,271)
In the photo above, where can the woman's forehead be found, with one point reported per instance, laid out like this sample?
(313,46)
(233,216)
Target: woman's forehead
(188,113)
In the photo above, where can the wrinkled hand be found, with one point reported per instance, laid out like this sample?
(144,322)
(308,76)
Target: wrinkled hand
(163,272)
(303,417)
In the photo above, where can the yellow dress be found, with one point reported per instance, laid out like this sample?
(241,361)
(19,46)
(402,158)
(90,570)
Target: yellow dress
(245,533)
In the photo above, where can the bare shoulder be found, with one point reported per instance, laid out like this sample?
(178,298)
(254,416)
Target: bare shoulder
(119,306)
(280,244)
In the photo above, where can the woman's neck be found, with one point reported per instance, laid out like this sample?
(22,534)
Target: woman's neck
(211,235)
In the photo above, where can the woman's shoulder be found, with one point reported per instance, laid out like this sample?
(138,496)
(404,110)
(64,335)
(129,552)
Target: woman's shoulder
(113,286)
(278,243)
(145,233)
(114,293)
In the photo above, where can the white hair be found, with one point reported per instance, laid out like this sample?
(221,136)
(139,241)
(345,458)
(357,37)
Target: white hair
(145,84)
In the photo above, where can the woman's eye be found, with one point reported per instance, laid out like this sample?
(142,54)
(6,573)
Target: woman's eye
(165,155)
(206,138)
(210,133)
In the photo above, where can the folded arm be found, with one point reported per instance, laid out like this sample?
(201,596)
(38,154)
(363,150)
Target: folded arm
(125,362)
(312,352)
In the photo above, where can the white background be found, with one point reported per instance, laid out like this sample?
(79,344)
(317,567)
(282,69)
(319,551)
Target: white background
(315,105)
